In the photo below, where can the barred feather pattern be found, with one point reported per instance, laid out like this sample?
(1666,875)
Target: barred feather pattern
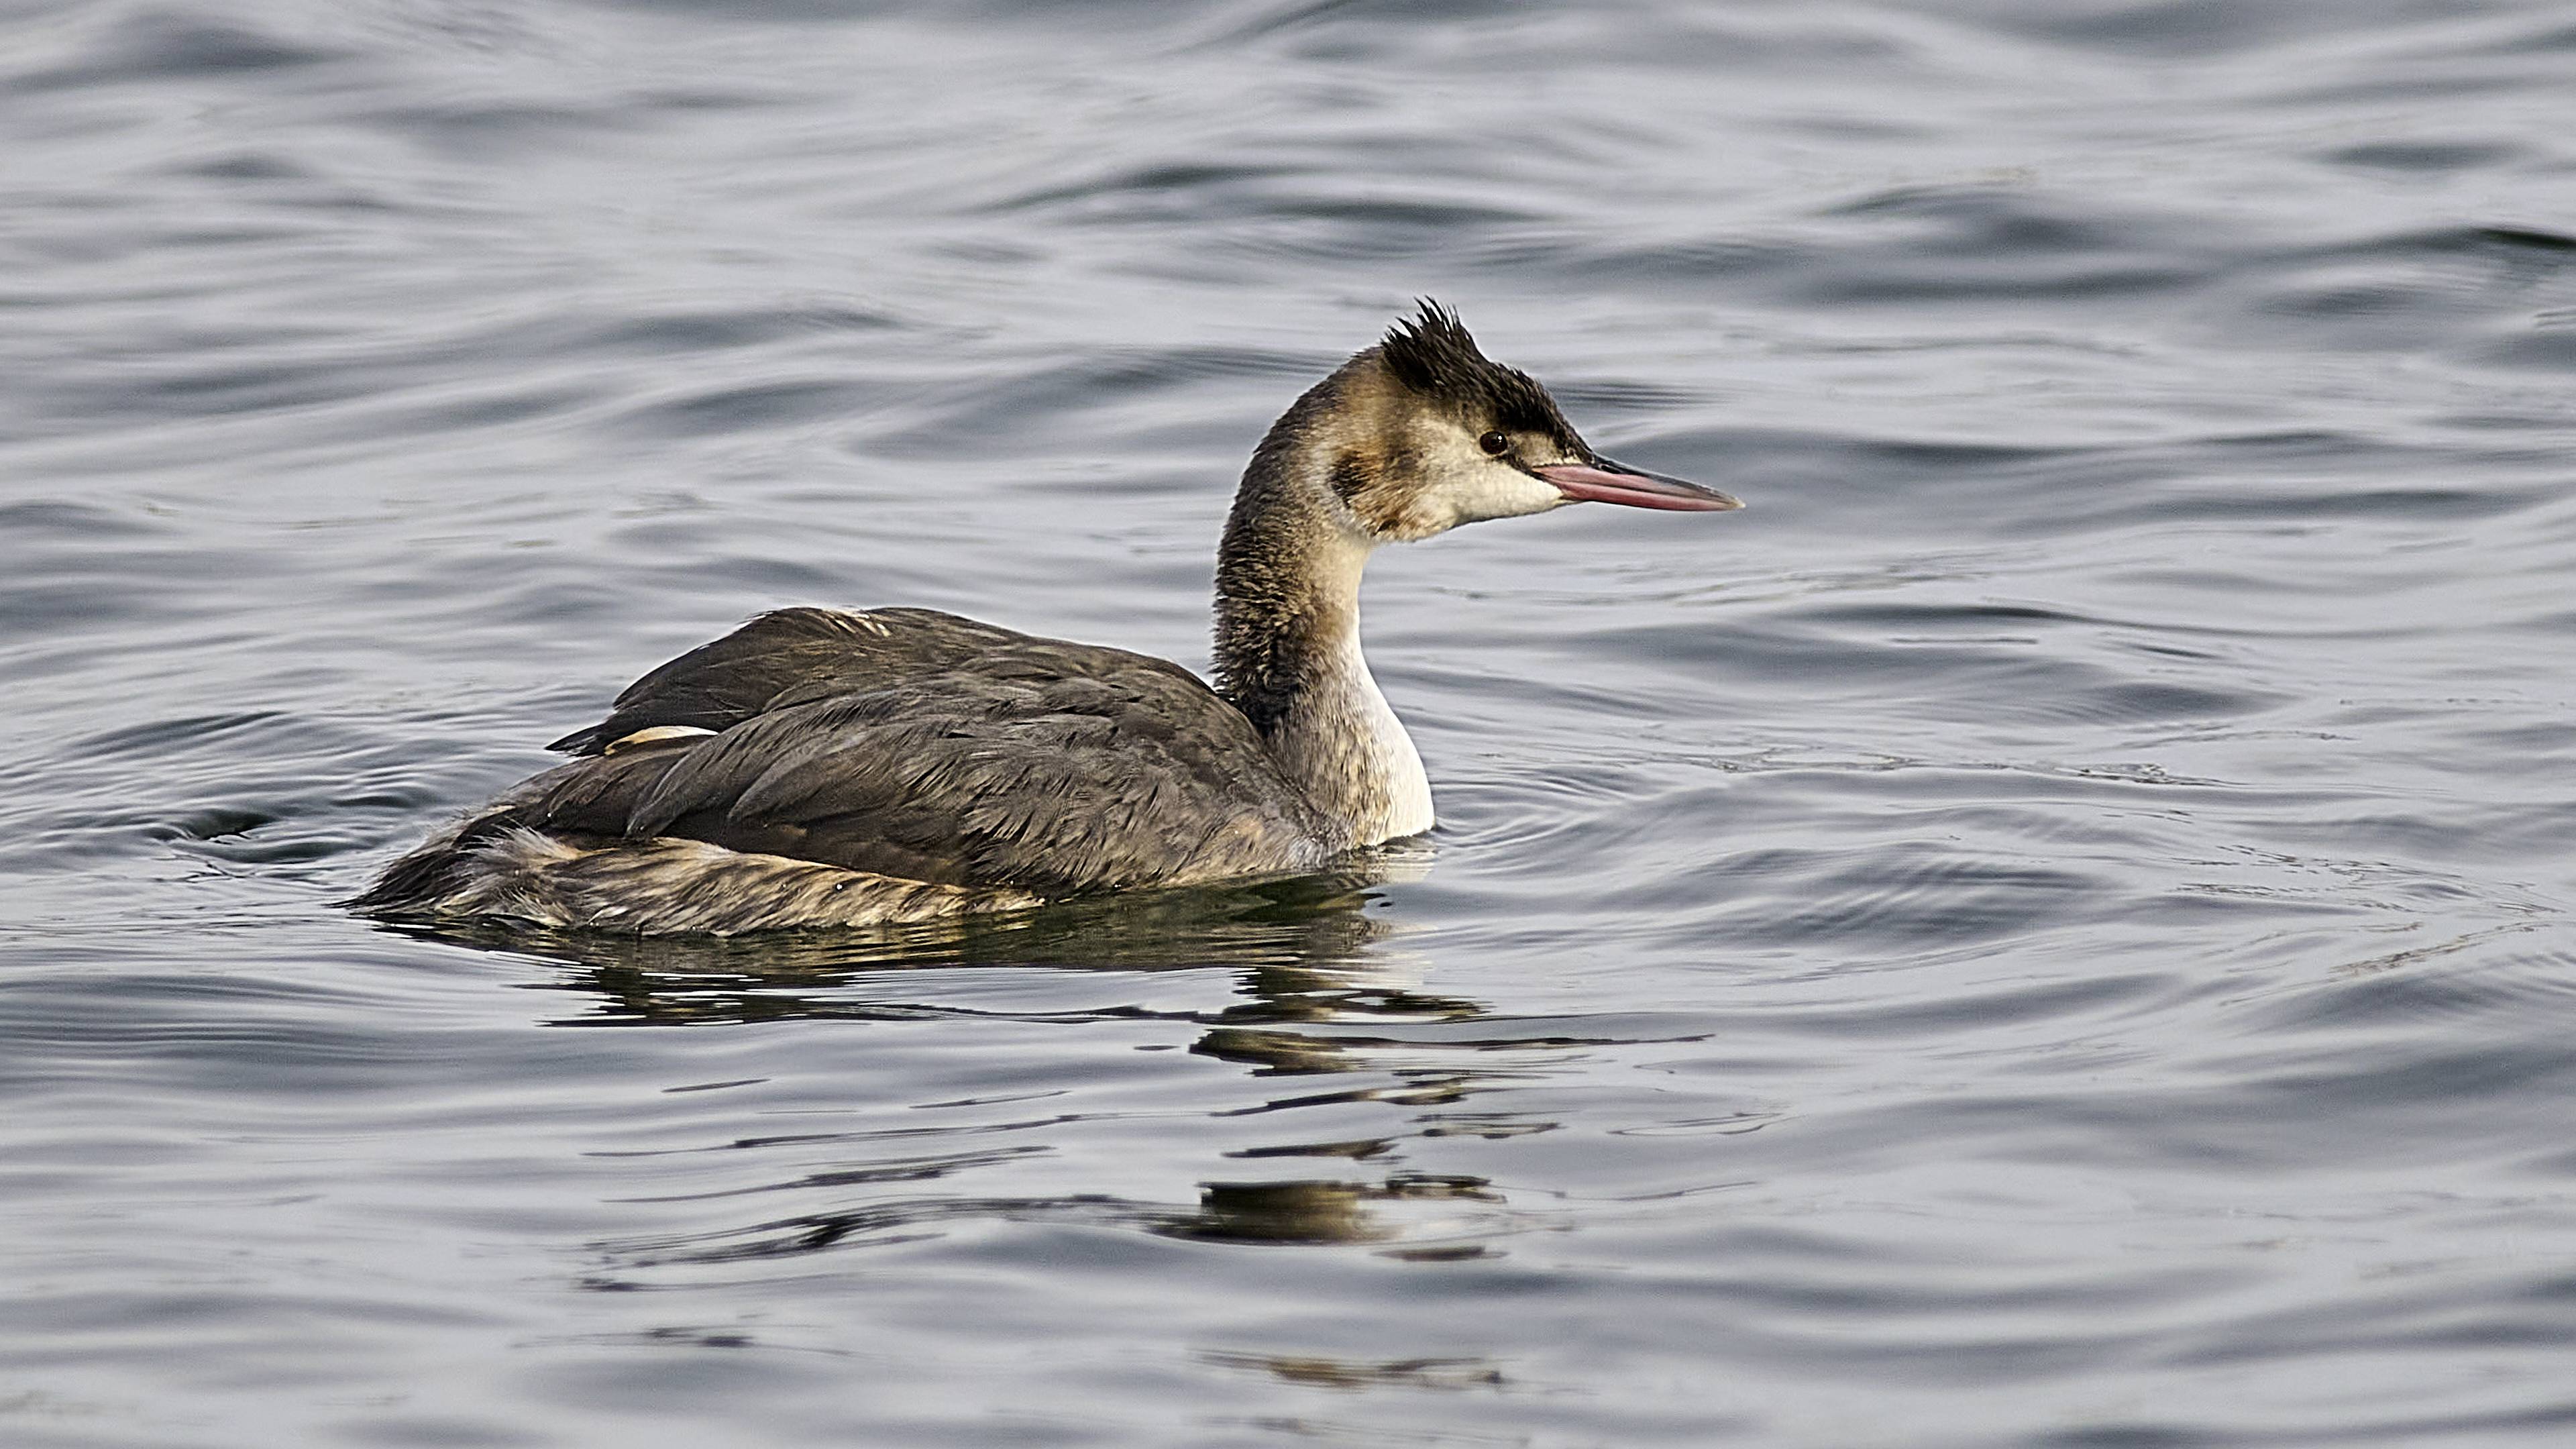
(668,887)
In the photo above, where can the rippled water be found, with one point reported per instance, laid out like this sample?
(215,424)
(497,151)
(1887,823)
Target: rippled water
(2050,928)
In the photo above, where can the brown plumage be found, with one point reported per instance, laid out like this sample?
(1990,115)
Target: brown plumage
(827,768)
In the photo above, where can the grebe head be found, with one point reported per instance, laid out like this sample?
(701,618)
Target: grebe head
(1426,433)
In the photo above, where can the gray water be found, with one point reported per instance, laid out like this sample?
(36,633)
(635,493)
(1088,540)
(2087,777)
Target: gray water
(2051,928)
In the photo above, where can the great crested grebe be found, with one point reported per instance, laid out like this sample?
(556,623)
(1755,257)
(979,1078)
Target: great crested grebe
(824,768)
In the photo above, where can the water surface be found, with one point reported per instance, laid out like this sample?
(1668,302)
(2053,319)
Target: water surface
(2050,928)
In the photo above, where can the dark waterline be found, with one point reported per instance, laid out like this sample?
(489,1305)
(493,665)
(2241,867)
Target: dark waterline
(2049,929)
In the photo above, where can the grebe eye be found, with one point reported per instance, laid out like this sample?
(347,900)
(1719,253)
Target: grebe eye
(1495,444)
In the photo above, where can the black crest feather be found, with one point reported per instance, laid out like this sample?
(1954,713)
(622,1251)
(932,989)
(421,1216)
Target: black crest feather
(1433,355)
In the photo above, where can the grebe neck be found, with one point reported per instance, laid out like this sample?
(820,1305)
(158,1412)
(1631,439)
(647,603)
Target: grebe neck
(1288,636)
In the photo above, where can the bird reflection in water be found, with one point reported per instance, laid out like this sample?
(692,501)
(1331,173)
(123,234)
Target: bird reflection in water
(1305,949)
(1306,953)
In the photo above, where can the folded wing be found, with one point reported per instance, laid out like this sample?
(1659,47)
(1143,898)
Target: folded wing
(916,744)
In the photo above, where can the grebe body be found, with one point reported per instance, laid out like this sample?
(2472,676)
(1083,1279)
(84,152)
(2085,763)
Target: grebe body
(821,767)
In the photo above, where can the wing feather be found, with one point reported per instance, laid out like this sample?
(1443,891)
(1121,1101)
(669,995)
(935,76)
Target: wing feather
(783,654)
(920,745)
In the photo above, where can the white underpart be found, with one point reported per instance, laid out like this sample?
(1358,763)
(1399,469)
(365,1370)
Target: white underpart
(1342,741)
(1372,749)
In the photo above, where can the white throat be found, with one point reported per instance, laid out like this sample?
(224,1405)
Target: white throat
(1345,745)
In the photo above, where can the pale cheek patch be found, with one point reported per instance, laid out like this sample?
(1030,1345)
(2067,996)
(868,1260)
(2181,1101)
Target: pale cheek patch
(1434,484)
(1502,493)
